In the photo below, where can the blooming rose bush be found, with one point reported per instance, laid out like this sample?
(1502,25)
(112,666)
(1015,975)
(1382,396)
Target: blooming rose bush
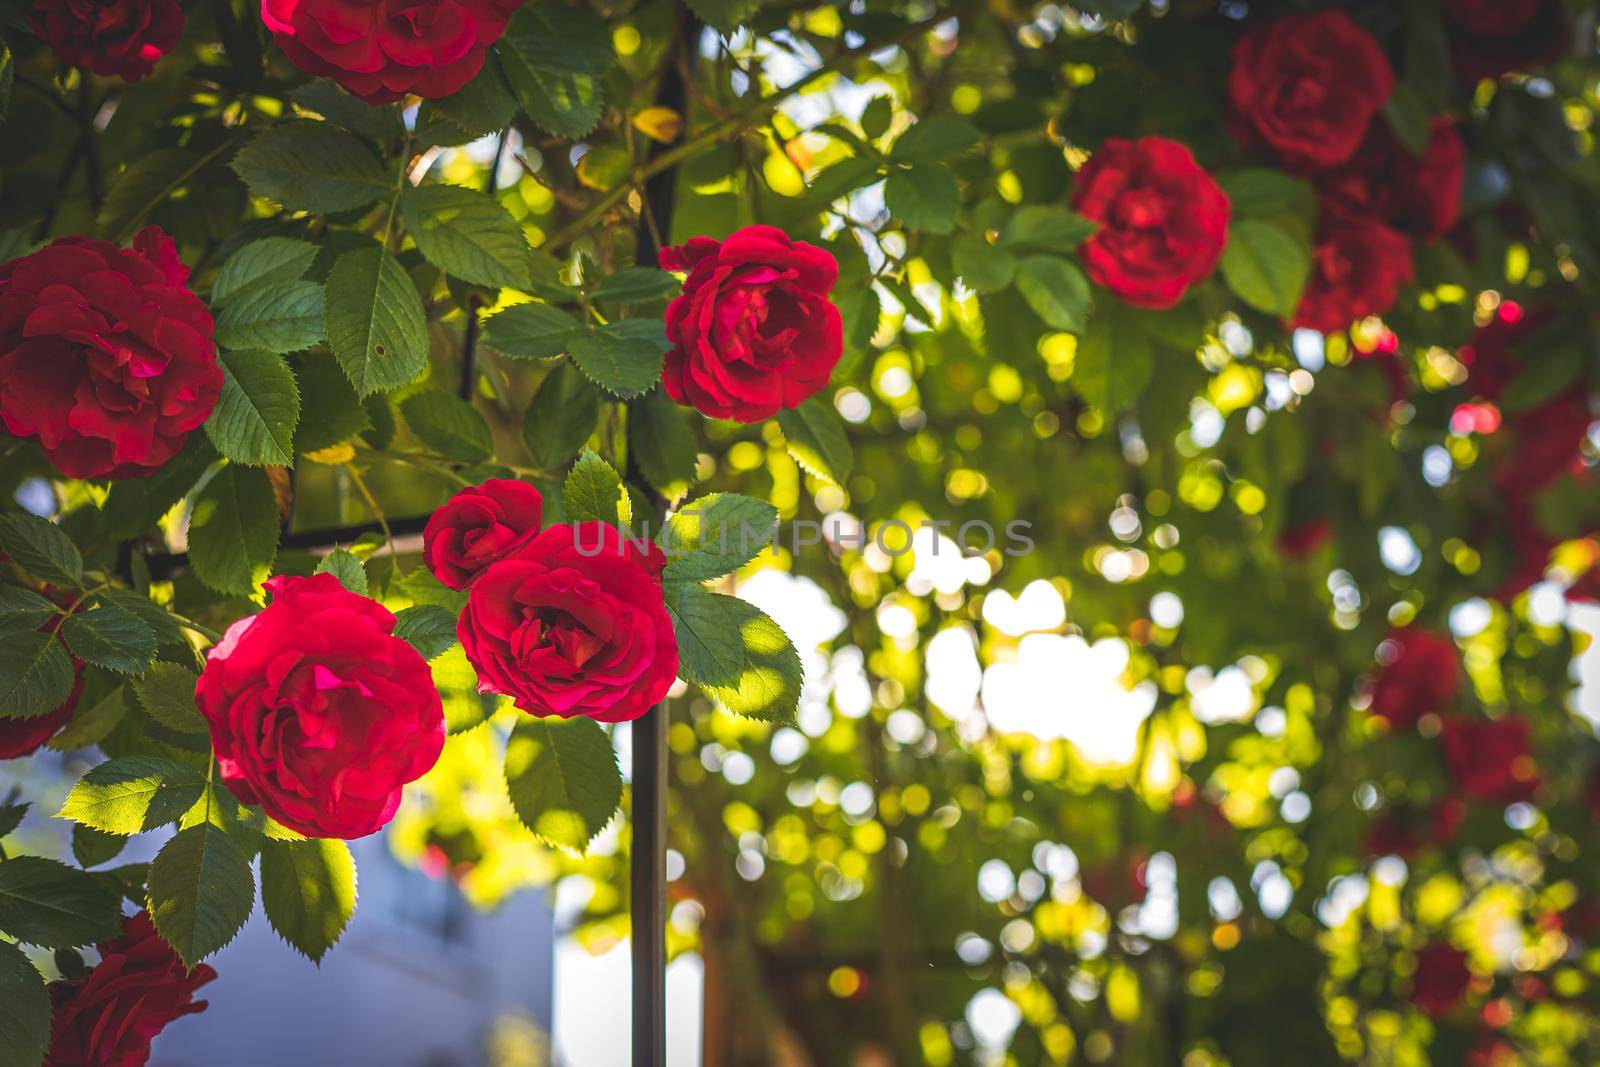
(106,355)
(317,712)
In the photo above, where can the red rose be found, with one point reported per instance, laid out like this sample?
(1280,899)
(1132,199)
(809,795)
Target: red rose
(478,526)
(23,737)
(1490,355)
(1358,267)
(573,623)
(121,37)
(1303,538)
(317,712)
(1489,38)
(1489,759)
(108,1016)
(754,331)
(380,50)
(1305,88)
(105,355)
(1441,979)
(1420,673)
(1163,220)
(1383,181)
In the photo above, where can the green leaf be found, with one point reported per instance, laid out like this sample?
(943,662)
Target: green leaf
(429,628)
(1407,115)
(132,794)
(663,444)
(143,187)
(562,778)
(925,197)
(35,675)
(344,566)
(200,891)
(560,417)
(591,491)
(163,623)
(136,504)
(39,547)
(51,905)
(271,262)
(530,331)
(483,106)
(1266,266)
(736,653)
(312,166)
(815,435)
(24,1009)
(934,139)
(1114,361)
(716,535)
(111,637)
(1056,290)
(1257,192)
(981,265)
(285,317)
(330,411)
(448,425)
(308,889)
(724,15)
(555,58)
(91,724)
(467,234)
(637,285)
(376,324)
(464,707)
(1550,371)
(876,117)
(623,358)
(11,816)
(22,609)
(233,530)
(91,847)
(860,309)
(253,422)
(166,692)
(380,122)
(1042,228)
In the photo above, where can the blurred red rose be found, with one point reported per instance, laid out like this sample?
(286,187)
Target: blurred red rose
(125,38)
(1406,832)
(1358,267)
(573,623)
(477,526)
(23,737)
(1305,88)
(317,712)
(1163,219)
(754,330)
(105,355)
(1304,538)
(1383,181)
(381,50)
(1489,759)
(1420,674)
(1489,38)
(1441,979)
(107,1016)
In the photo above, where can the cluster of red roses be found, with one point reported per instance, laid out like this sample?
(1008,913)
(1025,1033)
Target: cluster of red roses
(1419,678)
(569,620)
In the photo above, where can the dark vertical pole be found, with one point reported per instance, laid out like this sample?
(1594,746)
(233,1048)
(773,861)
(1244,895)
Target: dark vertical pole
(648,877)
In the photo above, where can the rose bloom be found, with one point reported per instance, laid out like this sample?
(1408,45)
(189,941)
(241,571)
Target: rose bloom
(754,331)
(380,50)
(1358,267)
(318,712)
(24,737)
(573,623)
(1489,759)
(1163,220)
(1489,38)
(1420,674)
(125,38)
(1441,979)
(1406,832)
(106,357)
(108,1016)
(477,526)
(1305,88)
(1383,181)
